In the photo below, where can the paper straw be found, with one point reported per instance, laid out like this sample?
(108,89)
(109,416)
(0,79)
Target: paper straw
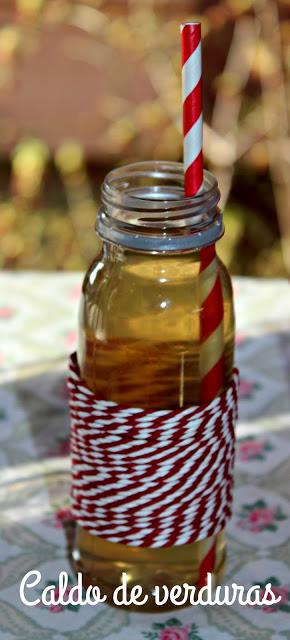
(192,107)
(211,315)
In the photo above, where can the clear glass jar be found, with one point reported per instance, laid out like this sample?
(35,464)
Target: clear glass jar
(139,335)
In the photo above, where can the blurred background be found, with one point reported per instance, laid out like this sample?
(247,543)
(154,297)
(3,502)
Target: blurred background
(89,85)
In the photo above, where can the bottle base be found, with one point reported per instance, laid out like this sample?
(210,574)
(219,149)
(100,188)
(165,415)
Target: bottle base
(106,572)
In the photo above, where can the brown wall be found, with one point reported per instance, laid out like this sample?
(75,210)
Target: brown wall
(68,82)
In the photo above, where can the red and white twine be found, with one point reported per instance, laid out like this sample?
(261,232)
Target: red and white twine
(151,478)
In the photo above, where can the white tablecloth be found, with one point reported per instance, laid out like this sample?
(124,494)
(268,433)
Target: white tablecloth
(38,319)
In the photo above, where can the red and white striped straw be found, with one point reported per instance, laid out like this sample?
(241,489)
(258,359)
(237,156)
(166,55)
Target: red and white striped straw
(211,300)
(211,316)
(192,107)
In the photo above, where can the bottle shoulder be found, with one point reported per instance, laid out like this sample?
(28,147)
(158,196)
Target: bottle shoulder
(171,269)
(157,295)
(150,276)
(225,275)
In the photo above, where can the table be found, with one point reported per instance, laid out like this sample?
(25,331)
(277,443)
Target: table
(38,318)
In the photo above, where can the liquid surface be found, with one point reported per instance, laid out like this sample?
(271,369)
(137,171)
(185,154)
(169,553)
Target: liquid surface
(139,344)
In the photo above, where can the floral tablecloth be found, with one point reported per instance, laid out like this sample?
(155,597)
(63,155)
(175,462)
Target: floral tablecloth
(38,317)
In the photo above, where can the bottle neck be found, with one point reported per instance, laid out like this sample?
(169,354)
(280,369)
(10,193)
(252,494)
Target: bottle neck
(144,210)
(117,253)
(158,268)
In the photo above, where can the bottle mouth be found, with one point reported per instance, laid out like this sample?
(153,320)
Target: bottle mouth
(144,208)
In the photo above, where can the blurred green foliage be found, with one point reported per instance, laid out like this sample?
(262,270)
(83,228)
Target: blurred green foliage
(50,191)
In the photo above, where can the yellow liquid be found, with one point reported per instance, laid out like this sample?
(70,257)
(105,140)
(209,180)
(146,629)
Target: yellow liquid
(139,345)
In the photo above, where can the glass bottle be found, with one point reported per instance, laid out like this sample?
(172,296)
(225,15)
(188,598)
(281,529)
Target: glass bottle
(139,336)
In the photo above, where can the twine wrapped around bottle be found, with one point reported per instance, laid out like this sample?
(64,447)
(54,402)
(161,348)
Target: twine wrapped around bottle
(151,478)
